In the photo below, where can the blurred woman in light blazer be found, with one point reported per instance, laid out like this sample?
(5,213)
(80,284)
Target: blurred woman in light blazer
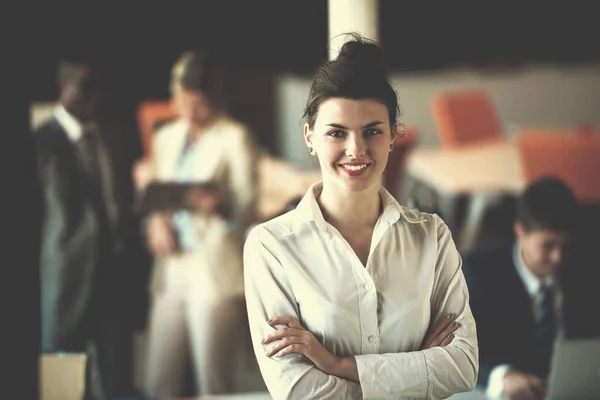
(197,286)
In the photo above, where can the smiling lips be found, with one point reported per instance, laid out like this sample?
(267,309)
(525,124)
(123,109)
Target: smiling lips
(354,169)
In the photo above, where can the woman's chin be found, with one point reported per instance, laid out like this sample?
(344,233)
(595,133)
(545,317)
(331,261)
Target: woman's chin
(357,185)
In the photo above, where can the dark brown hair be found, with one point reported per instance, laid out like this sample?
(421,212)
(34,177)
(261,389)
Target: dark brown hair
(548,203)
(198,70)
(357,73)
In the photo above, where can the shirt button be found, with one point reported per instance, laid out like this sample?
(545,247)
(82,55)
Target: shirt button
(372,339)
(368,286)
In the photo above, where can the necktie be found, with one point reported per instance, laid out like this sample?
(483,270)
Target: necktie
(89,151)
(546,326)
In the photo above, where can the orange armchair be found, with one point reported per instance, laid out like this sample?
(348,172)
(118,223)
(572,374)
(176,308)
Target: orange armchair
(569,156)
(464,117)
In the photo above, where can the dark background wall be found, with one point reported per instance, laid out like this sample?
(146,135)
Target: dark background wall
(136,44)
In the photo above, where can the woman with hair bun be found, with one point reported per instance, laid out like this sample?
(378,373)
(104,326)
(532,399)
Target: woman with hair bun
(351,295)
(197,311)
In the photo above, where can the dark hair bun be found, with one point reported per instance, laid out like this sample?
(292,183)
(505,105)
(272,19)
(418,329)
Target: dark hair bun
(357,73)
(360,51)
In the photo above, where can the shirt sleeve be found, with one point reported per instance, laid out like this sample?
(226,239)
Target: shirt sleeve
(438,372)
(495,386)
(269,294)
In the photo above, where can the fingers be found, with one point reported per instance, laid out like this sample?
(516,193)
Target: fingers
(443,324)
(286,320)
(164,249)
(281,334)
(444,335)
(446,340)
(293,348)
(437,329)
(288,339)
(538,387)
(161,237)
(527,393)
(170,241)
(162,245)
(283,344)
(450,329)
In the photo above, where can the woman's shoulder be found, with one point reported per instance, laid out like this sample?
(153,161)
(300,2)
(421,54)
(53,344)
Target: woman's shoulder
(423,224)
(275,228)
(166,129)
(416,217)
(233,128)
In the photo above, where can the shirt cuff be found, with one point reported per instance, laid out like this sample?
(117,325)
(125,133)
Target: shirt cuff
(379,380)
(495,386)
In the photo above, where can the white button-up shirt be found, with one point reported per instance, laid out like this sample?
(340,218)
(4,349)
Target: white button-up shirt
(300,265)
(72,127)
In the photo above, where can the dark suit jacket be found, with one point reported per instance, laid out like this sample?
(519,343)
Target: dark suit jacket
(503,311)
(72,250)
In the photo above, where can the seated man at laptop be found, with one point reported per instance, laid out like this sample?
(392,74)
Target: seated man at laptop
(527,293)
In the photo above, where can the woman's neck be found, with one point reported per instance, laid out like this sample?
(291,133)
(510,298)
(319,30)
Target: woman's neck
(197,130)
(348,210)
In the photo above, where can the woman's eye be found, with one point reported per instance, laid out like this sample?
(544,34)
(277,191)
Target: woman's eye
(337,133)
(372,132)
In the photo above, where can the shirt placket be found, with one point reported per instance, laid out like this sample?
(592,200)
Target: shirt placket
(367,303)
(368,298)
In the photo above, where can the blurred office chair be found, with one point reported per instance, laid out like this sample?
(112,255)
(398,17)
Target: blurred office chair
(151,114)
(464,117)
(587,129)
(394,173)
(569,156)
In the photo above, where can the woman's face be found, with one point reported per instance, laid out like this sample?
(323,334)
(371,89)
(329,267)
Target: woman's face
(352,140)
(192,106)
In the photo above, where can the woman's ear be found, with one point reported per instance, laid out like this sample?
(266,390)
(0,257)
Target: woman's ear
(397,132)
(308,136)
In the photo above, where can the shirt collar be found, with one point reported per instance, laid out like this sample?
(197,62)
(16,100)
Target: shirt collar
(68,122)
(532,282)
(308,209)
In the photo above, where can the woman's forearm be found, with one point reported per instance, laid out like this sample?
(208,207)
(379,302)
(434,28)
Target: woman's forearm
(345,368)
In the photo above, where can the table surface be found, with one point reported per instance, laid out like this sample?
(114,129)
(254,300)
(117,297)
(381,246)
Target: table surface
(474,169)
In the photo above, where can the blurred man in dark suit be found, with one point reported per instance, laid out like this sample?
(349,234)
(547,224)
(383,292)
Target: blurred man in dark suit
(83,239)
(526,294)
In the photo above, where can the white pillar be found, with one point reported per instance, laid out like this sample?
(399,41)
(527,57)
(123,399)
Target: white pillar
(344,16)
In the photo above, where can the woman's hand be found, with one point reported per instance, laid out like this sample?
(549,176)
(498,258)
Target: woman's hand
(294,338)
(142,174)
(440,334)
(161,239)
(203,200)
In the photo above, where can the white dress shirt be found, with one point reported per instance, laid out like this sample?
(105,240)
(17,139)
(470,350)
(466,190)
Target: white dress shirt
(300,265)
(224,154)
(72,127)
(532,283)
